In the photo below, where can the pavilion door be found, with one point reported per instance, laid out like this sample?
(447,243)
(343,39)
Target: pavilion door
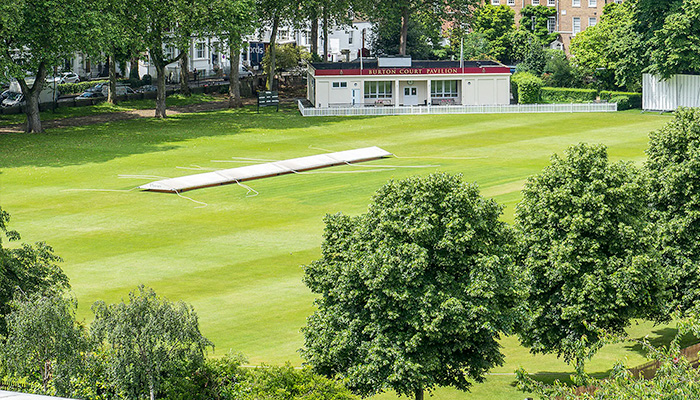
(410,96)
(355,97)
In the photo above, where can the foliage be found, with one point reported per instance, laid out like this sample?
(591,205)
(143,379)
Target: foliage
(289,57)
(587,243)
(150,343)
(520,41)
(559,72)
(528,88)
(677,43)
(675,377)
(495,23)
(672,163)
(422,37)
(44,342)
(28,269)
(540,15)
(416,292)
(287,383)
(634,100)
(568,95)
(76,88)
(535,58)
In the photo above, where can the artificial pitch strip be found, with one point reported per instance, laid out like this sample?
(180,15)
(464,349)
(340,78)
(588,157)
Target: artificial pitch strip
(237,175)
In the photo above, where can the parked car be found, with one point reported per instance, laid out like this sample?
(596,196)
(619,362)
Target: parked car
(243,72)
(69,77)
(147,88)
(4,95)
(121,89)
(90,94)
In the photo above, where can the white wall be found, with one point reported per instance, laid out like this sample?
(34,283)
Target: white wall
(678,91)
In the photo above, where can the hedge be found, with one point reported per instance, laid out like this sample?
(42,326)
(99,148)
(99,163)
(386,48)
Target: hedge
(568,95)
(527,88)
(635,99)
(77,88)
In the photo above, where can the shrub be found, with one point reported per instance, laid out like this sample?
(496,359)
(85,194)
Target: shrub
(76,88)
(623,102)
(146,80)
(568,95)
(635,99)
(528,88)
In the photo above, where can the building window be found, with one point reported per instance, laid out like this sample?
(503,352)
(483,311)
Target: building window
(552,24)
(551,3)
(200,49)
(534,22)
(592,21)
(576,3)
(495,2)
(443,89)
(535,2)
(592,3)
(511,2)
(378,90)
(350,36)
(338,85)
(577,26)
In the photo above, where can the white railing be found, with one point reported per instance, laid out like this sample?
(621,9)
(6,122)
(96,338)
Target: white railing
(459,109)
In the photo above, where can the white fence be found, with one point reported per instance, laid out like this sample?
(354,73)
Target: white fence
(458,109)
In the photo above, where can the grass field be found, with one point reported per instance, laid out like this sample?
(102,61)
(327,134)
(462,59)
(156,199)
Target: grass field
(238,260)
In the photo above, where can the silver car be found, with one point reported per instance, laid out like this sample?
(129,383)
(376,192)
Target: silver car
(69,77)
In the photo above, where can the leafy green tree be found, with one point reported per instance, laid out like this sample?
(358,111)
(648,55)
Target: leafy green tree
(44,342)
(33,40)
(535,19)
(402,12)
(287,383)
(495,23)
(164,26)
(673,165)
(27,269)
(677,43)
(416,292)
(231,21)
(150,342)
(472,45)
(289,57)
(271,14)
(586,240)
(559,71)
(422,37)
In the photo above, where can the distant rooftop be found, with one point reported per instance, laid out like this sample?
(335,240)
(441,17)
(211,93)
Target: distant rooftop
(371,63)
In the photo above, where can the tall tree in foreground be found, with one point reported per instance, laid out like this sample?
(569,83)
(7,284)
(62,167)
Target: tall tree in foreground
(271,14)
(44,342)
(26,269)
(35,36)
(231,21)
(165,25)
(587,243)
(414,294)
(677,44)
(150,341)
(674,168)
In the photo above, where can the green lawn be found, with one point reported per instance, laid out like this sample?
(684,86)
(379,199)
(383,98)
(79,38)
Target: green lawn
(238,260)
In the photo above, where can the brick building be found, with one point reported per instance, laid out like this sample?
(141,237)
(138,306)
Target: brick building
(573,16)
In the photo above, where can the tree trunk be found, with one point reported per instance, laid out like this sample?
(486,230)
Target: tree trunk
(325,34)
(151,390)
(234,84)
(160,93)
(404,31)
(134,69)
(31,97)
(112,92)
(314,35)
(184,74)
(273,40)
(419,394)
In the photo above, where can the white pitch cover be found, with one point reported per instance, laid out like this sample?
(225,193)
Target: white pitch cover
(235,175)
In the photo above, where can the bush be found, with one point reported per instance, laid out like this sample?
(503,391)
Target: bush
(76,88)
(623,102)
(146,80)
(528,88)
(568,95)
(635,99)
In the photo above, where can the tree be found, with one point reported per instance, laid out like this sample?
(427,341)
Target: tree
(673,161)
(33,40)
(403,11)
(422,40)
(496,23)
(165,25)
(44,342)
(586,240)
(416,292)
(536,20)
(231,21)
(272,13)
(677,43)
(27,269)
(150,342)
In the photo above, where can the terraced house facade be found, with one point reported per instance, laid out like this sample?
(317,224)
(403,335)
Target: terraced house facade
(572,17)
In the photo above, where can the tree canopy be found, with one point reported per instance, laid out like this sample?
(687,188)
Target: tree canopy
(416,292)
(587,242)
